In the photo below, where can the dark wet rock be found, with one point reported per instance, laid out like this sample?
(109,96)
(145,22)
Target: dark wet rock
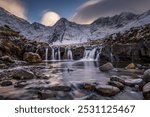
(118,79)
(78,52)
(32,57)
(7,59)
(22,74)
(20,84)
(146,77)
(116,84)
(6,83)
(146,91)
(131,66)
(87,86)
(60,88)
(41,49)
(107,90)
(46,95)
(127,81)
(106,67)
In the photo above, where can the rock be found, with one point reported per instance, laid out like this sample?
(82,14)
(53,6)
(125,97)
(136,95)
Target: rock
(20,84)
(46,94)
(107,90)
(7,59)
(87,86)
(32,57)
(146,91)
(131,66)
(106,67)
(22,74)
(118,79)
(6,83)
(78,94)
(133,82)
(60,88)
(127,81)
(146,77)
(116,84)
(78,52)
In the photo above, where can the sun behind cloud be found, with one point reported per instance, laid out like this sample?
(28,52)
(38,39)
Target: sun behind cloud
(49,18)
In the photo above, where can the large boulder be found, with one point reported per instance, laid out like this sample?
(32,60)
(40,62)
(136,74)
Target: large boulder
(131,66)
(46,94)
(117,78)
(146,91)
(146,77)
(106,67)
(127,81)
(60,88)
(116,84)
(22,74)
(32,57)
(6,83)
(107,90)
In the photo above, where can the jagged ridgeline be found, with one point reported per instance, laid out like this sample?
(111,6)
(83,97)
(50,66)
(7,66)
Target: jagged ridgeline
(66,32)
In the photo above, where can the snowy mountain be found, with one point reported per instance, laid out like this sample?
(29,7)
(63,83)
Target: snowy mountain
(31,31)
(66,32)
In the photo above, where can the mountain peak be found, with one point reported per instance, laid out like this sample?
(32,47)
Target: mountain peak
(62,21)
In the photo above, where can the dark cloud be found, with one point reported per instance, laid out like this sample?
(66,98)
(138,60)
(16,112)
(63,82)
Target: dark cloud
(93,9)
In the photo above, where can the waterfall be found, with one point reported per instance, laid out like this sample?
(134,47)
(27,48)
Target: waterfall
(56,54)
(69,54)
(46,54)
(86,53)
(92,54)
(53,54)
(46,57)
(99,53)
(111,55)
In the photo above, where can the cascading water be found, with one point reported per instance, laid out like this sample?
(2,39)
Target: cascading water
(92,54)
(46,54)
(69,54)
(56,54)
(98,53)
(46,57)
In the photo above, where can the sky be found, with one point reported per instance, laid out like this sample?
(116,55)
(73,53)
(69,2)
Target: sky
(48,12)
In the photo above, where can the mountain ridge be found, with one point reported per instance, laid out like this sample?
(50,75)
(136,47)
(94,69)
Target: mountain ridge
(67,32)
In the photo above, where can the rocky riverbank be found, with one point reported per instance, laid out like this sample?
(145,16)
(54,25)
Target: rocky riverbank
(33,81)
(24,75)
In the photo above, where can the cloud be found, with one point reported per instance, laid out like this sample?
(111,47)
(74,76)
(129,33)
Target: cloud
(93,9)
(15,7)
(49,18)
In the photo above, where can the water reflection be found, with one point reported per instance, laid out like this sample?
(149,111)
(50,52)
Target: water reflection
(79,71)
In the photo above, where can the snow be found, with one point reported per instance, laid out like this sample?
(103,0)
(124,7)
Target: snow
(65,32)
